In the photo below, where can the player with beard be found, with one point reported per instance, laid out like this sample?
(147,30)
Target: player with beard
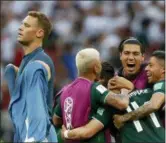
(31,84)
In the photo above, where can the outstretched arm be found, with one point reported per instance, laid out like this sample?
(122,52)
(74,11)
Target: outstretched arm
(119,101)
(153,105)
(99,120)
(83,132)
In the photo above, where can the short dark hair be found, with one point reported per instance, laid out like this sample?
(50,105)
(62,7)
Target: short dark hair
(107,72)
(43,21)
(159,55)
(131,40)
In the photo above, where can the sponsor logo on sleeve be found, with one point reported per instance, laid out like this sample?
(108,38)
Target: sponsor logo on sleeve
(101,89)
(157,86)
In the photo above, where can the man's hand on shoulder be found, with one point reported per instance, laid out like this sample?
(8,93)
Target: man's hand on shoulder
(118,82)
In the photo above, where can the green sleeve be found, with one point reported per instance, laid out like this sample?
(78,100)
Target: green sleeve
(103,115)
(99,93)
(58,132)
(159,87)
(57,110)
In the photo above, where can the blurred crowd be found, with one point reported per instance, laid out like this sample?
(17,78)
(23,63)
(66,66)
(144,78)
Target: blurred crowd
(78,24)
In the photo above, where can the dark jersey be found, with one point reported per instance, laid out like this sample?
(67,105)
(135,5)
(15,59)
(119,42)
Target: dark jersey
(98,111)
(147,129)
(159,87)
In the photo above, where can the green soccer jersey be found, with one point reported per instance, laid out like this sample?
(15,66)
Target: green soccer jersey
(148,129)
(159,87)
(98,111)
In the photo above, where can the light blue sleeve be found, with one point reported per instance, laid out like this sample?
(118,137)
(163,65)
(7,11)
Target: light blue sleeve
(10,77)
(37,120)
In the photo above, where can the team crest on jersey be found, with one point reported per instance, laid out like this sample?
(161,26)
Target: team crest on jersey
(68,107)
(157,86)
(101,89)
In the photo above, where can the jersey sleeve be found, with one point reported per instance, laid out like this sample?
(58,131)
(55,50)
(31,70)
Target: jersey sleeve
(103,115)
(99,93)
(36,88)
(159,87)
(57,110)
(10,77)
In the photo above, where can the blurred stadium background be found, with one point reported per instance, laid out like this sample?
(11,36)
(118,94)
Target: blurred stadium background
(78,24)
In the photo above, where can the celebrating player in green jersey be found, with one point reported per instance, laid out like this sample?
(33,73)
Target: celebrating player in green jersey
(149,128)
(83,98)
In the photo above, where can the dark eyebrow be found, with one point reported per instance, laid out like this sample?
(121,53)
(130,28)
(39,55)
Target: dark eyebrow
(26,24)
(127,51)
(136,52)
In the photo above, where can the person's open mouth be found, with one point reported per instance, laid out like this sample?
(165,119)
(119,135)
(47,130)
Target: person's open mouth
(131,66)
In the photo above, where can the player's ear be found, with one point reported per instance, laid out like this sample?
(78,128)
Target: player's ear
(143,57)
(120,55)
(97,67)
(163,70)
(40,33)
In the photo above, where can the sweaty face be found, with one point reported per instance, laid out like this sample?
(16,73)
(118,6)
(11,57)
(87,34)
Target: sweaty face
(28,30)
(131,58)
(154,70)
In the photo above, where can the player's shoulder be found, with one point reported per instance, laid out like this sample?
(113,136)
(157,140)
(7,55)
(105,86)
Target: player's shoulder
(98,87)
(159,85)
(35,66)
(43,56)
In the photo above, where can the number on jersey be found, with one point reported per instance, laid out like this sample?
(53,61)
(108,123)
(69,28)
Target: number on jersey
(137,123)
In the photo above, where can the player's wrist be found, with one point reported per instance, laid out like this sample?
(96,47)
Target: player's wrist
(66,134)
(126,118)
(124,91)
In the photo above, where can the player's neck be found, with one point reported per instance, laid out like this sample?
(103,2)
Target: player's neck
(162,78)
(90,77)
(30,48)
(130,76)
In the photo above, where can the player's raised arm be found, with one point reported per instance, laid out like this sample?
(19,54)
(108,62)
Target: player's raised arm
(118,82)
(119,101)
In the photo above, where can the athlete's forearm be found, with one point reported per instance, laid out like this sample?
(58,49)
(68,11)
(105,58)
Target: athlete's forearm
(86,131)
(142,111)
(119,101)
(78,134)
